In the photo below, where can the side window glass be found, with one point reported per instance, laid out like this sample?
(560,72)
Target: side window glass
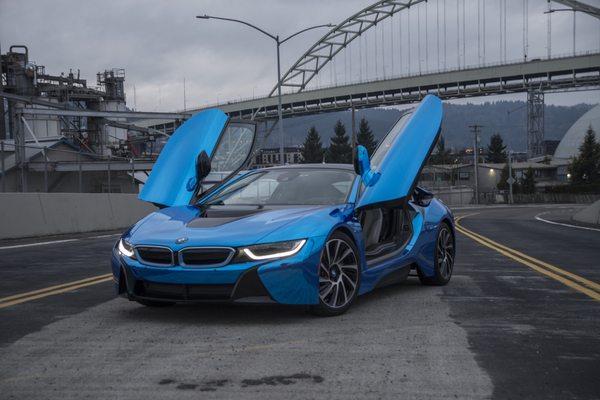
(234,147)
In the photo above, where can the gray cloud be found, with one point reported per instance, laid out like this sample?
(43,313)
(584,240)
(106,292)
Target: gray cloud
(160,42)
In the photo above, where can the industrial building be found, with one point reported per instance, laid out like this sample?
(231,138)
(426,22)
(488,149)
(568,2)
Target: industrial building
(58,133)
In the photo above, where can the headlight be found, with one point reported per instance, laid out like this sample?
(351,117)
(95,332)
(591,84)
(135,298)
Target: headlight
(271,251)
(126,249)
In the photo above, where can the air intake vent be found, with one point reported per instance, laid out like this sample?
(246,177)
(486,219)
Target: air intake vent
(154,255)
(205,256)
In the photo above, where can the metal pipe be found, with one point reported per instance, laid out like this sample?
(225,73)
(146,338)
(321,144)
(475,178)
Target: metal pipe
(132,175)
(45,169)
(80,172)
(108,170)
(510,178)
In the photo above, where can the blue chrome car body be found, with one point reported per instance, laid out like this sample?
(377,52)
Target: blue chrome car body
(293,279)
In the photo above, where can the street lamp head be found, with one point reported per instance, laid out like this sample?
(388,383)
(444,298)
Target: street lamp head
(203,16)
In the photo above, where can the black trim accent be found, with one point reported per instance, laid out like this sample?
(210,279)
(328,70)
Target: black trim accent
(248,288)
(394,277)
(250,285)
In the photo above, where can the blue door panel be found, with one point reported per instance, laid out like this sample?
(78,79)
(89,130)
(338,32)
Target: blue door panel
(402,155)
(176,164)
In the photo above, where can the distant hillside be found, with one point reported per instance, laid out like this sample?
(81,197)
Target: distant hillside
(509,118)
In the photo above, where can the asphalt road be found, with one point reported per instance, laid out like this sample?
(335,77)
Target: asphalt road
(500,329)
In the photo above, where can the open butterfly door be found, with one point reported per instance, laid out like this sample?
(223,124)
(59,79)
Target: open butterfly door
(396,164)
(227,143)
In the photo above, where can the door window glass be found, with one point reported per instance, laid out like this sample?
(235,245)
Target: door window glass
(234,147)
(388,141)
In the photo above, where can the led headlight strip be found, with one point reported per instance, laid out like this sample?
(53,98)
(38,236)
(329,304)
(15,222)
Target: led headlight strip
(125,248)
(295,244)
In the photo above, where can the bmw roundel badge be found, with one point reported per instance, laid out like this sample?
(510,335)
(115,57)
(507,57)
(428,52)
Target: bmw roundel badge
(181,240)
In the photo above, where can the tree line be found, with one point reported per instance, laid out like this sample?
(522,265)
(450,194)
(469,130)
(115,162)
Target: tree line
(339,149)
(584,169)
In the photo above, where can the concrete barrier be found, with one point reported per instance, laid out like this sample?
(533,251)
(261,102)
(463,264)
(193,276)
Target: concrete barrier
(38,214)
(590,214)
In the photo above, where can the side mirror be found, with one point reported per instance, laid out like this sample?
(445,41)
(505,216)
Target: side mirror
(202,171)
(202,166)
(362,166)
(422,197)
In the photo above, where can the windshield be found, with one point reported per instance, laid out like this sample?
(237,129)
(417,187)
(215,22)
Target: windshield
(288,187)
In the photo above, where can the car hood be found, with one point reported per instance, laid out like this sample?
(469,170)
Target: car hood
(227,225)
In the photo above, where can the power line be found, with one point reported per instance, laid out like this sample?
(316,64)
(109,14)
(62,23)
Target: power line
(445,35)
(464,23)
(392,42)
(437,31)
(483,30)
(458,34)
(525,29)
(426,37)
(419,37)
(409,42)
(479,31)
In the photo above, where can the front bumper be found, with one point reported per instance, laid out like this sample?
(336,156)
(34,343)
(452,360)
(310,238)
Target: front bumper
(292,280)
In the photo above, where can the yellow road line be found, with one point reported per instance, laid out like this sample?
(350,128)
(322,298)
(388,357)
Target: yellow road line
(567,278)
(52,290)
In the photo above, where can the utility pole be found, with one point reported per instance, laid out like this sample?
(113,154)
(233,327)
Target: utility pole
(475,129)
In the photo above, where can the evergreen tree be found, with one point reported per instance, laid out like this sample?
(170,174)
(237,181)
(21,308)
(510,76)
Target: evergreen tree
(503,184)
(365,136)
(585,168)
(496,150)
(312,148)
(441,155)
(340,150)
(528,181)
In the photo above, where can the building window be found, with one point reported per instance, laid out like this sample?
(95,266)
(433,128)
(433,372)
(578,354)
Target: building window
(464,176)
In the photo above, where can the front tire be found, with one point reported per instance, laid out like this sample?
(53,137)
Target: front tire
(339,276)
(445,251)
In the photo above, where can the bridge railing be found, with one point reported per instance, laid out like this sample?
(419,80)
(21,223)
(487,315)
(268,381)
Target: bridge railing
(436,71)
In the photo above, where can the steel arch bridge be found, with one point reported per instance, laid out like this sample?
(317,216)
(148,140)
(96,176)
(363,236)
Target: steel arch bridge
(568,72)
(308,66)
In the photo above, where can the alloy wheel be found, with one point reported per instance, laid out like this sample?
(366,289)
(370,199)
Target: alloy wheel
(338,273)
(445,253)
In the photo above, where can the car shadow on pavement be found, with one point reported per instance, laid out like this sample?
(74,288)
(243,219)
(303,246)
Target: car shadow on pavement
(262,314)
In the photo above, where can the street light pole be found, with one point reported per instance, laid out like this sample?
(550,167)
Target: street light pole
(279,107)
(278,44)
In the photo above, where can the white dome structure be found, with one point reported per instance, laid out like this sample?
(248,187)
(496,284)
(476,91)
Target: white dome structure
(569,145)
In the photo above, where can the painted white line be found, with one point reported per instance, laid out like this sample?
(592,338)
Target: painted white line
(563,224)
(19,246)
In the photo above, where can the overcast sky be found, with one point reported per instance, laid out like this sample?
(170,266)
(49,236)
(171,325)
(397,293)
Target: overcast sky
(159,43)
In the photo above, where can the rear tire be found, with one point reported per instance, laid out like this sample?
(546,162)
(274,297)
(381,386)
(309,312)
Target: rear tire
(444,254)
(155,304)
(339,276)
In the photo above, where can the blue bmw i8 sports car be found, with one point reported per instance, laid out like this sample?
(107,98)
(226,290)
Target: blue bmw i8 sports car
(307,234)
